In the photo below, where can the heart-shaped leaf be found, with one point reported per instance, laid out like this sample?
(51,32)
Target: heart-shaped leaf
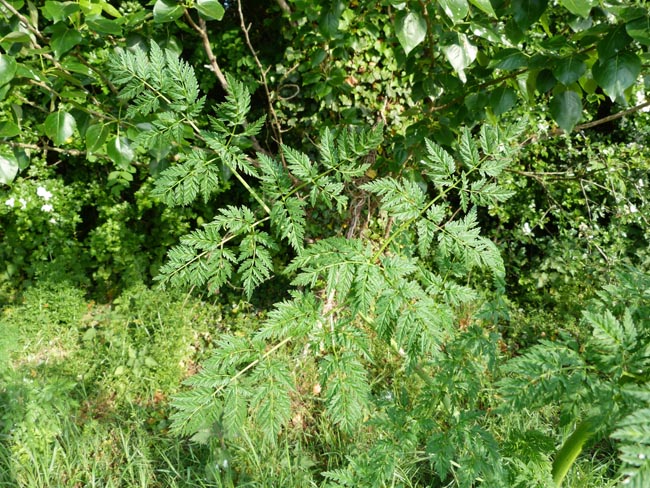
(120,151)
(566,109)
(210,9)
(59,127)
(8,169)
(617,73)
(166,11)
(411,29)
(7,68)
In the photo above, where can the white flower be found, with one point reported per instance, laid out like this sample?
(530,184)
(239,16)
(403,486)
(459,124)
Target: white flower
(631,208)
(23,203)
(52,220)
(43,193)
(527,230)
(10,202)
(640,183)
(47,208)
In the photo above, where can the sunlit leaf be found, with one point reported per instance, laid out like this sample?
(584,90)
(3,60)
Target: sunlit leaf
(7,68)
(166,11)
(210,9)
(411,30)
(456,10)
(579,7)
(120,151)
(59,127)
(8,169)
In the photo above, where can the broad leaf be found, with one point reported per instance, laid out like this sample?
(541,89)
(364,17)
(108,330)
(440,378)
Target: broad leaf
(569,70)
(64,39)
(59,127)
(456,10)
(166,11)
(579,7)
(485,6)
(461,55)
(120,151)
(617,74)
(639,30)
(614,42)
(210,9)
(104,26)
(8,169)
(96,137)
(566,109)
(8,68)
(527,12)
(502,99)
(8,129)
(411,29)
(59,11)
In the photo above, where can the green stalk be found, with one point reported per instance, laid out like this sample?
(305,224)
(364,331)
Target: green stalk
(572,448)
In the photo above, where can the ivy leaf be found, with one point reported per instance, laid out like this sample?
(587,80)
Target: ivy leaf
(166,11)
(461,55)
(120,151)
(8,169)
(502,99)
(579,7)
(569,70)
(527,12)
(566,109)
(411,29)
(456,10)
(59,127)
(616,74)
(8,68)
(210,9)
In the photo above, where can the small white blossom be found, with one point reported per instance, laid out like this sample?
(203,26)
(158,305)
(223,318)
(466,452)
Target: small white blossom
(52,220)
(10,202)
(640,183)
(23,203)
(47,208)
(631,208)
(43,193)
(527,230)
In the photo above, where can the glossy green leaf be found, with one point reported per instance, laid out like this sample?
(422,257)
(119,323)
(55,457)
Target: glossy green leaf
(411,30)
(616,74)
(120,151)
(502,99)
(566,109)
(485,6)
(456,10)
(8,68)
(59,127)
(527,12)
(9,128)
(166,11)
(64,39)
(639,30)
(545,81)
(96,136)
(110,10)
(579,7)
(569,70)
(461,55)
(8,169)
(210,9)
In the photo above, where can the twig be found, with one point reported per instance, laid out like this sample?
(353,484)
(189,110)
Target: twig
(202,30)
(275,123)
(284,6)
(24,20)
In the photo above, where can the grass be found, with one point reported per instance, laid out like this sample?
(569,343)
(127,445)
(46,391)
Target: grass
(84,388)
